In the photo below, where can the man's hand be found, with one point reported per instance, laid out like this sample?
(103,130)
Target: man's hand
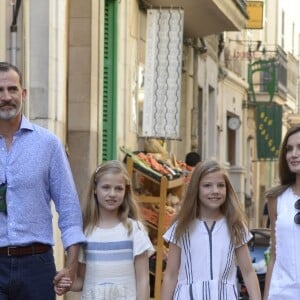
(65,277)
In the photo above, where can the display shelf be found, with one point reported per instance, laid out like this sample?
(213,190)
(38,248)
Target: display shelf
(161,187)
(151,217)
(150,174)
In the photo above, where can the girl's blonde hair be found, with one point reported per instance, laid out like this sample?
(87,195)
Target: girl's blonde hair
(231,209)
(91,209)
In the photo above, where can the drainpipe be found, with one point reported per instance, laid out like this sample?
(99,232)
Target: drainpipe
(13,31)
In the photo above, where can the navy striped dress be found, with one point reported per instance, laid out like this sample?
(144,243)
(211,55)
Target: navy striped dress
(208,267)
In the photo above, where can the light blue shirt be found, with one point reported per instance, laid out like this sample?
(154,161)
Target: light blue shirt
(37,170)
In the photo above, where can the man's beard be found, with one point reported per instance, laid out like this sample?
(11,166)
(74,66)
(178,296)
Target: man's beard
(9,114)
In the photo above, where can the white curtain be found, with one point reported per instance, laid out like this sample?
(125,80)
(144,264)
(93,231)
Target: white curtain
(161,111)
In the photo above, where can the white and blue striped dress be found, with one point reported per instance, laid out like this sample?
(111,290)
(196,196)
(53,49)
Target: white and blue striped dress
(109,258)
(208,267)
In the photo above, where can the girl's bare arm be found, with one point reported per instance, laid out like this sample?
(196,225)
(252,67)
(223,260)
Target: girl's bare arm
(272,204)
(248,272)
(141,264)
(171,272)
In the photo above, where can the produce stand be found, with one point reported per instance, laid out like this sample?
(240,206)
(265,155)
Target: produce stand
(157,188)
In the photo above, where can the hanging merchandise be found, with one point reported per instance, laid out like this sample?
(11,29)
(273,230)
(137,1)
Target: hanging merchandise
(161,111)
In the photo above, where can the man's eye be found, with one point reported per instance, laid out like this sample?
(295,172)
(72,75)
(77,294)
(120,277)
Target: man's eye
(13,89)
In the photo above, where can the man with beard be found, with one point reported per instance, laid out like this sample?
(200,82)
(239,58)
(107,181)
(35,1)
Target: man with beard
(33,171)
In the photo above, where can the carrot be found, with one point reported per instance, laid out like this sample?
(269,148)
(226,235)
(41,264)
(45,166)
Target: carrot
(157,166)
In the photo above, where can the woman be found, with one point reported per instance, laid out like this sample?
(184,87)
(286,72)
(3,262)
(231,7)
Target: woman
(283,274)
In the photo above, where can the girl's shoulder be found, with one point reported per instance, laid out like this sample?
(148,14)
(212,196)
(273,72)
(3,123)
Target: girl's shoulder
(193,226)
(137,224)
(134,222)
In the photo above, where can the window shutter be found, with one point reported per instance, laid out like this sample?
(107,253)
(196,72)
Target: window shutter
(109,132)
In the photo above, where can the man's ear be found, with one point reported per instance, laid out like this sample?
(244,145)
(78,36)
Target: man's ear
(24,94)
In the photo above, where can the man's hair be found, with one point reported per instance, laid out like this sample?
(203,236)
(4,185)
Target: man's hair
(6,66)
(192,158)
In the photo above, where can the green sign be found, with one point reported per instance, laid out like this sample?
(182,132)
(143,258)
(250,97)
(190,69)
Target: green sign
(268,130)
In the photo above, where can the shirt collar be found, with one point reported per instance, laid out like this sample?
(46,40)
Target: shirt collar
(25,124)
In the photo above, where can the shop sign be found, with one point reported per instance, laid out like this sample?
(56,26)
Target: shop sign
(255,13)
(268,130)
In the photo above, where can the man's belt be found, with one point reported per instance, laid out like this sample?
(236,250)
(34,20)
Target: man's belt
(32,249)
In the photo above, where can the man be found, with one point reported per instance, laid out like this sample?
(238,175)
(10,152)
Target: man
(33,171)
